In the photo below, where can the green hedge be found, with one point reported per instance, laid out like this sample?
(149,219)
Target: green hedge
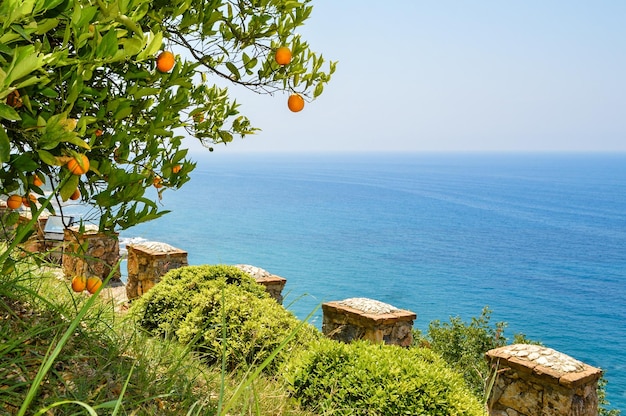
(368,379)
(191,303)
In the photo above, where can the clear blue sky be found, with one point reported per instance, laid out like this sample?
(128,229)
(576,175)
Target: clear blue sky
(444,75)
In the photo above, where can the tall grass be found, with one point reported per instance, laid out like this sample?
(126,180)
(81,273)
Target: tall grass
(69,353)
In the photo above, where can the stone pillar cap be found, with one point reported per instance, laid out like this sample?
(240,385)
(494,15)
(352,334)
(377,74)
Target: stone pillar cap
(258,273)
(156,247)
(368,310)
(546,362)
(369,306)
(89,229)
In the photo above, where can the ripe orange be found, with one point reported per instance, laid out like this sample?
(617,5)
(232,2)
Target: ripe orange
(37,181)
(176,169)
(14,201)
(295,102)
(98,132)
(79,283)
(93,284)
(78,168)
(157,182)
(75,195)
(283,56)
(165,61)
(30,197)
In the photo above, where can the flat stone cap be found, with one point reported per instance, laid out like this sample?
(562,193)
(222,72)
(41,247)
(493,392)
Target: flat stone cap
(545,362)
(156,248)
(259,274)
(89,229)
(369,306)
(369,310)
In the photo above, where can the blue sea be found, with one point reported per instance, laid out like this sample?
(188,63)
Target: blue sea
(539,238)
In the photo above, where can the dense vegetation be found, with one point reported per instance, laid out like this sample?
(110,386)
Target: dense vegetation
(368,379)
(88,356)
(202,305)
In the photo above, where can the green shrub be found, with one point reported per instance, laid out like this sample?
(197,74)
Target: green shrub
(463,346)
(370,379)
(191,303)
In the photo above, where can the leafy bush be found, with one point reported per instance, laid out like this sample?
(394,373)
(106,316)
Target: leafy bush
(463,346)
(191,303)
(373,379)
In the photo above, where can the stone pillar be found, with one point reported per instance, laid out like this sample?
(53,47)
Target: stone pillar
(7,232)
(274,284)
(148,262)
(533,380)
(90,253)
(362,318)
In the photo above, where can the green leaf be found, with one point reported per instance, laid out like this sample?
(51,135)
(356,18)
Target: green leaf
(123,112)
(225,136)
(142,92)
(8,113)
(156,39)
(46,25)
(233,70)
(11,219)
(25,61)
(319,88)
(49,93)
(69,187)
(5,146)
(47,158)
(74,139)
(178,156)
(25,162)
(108,45)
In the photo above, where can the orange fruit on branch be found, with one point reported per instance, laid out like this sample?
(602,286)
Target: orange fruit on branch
(14,201)
(165,61)
(295,102)
(282,56)
(78,167)
(93,284)
(37,181)
(26,199)
(157,182)
(79,283)
(75,195)
(176,168)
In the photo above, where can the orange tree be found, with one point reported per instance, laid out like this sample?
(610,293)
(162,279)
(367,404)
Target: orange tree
(79,78)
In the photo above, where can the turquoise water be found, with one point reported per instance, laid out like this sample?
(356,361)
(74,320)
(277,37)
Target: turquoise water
(540,239)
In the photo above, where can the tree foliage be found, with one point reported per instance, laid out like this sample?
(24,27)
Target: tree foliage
(79,77)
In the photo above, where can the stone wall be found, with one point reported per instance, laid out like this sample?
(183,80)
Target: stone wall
(532,380)
(90,253)
(148,262)
(274,284)
(7,232)
(362,318)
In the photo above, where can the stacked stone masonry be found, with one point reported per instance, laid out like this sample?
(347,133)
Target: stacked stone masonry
(274,285)
(90,253)
(148,262)
(532,380)
(35,242)
(362,318)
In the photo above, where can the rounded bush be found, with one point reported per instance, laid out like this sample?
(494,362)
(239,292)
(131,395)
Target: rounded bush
(372,379)
(192,303)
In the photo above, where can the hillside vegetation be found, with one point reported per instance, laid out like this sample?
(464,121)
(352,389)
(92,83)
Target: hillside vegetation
(208,340)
